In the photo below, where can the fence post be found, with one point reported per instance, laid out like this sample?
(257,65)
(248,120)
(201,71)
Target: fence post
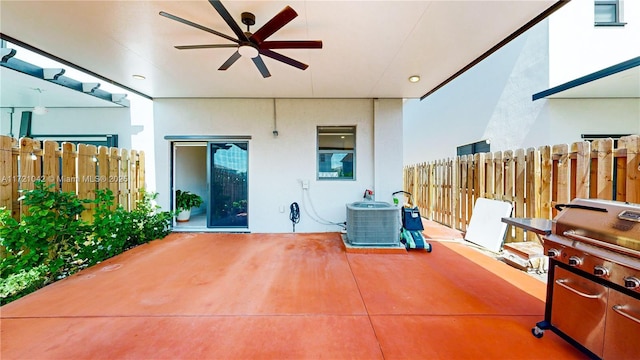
(123,180)
(141,177)
(50,164)
(446,191)
(103,167)
(602,172)
(133,184)
(490,177)
(632,145)
(68,167)
(6,172)
(480,175)
(498,168)
(533,183)
(546,165)
(114,175)
(455,192)
(463,192)
(27,168)
(87,178)
(534,186)
(562,191)
(582,171)
(520,189)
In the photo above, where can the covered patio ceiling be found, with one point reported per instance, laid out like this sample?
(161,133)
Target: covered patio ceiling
(370,48)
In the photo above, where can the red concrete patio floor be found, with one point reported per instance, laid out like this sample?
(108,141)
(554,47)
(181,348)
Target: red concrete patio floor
(283,296)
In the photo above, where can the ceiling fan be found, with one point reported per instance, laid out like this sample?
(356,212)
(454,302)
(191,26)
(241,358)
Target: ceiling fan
(252,44)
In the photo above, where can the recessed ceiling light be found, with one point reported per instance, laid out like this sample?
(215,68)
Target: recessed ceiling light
(138,77)
(414,78)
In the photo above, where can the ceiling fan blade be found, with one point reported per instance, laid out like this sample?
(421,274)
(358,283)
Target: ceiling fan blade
(197,26)
(285,59)
(229,19)
(293,44)
(261,66)
(211,46)
(276,23)
(235,56)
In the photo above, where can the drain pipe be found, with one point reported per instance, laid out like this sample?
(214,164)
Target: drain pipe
(275,121)
(11,111)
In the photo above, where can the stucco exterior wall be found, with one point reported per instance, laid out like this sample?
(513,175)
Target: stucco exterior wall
(278,165)
(491,101)
(574,117)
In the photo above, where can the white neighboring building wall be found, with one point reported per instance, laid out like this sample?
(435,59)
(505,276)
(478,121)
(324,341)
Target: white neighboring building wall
(278,165)
(75,121)
(577,47)
(493,100)
(133,125)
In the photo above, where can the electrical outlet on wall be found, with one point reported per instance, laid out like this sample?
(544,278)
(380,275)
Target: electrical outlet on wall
(305,184)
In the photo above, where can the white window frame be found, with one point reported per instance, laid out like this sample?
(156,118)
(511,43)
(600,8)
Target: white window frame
(347,129)
(617,20)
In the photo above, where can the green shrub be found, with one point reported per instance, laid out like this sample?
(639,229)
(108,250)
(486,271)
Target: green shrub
(115,231)
(22,283)
(50,234)
(52,241)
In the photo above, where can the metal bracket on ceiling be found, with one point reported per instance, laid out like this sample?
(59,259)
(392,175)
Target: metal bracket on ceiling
(118,98)
(90,87)
(7,53)
(52,73)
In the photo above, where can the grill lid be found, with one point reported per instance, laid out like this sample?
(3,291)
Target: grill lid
(613,222)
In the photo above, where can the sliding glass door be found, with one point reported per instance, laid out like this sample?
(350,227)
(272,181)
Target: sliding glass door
(228,166)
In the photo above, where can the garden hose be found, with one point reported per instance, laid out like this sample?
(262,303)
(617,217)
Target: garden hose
(294,214)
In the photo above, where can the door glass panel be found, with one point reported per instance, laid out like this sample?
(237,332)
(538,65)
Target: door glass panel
(229,169)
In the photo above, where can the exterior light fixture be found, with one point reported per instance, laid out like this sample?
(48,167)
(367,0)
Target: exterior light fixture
(39,109)
(138,77)
(414,78)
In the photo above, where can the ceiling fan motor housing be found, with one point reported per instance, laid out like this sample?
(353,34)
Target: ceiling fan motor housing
(248,18)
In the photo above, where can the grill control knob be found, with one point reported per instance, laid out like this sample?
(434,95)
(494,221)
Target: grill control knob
(575,261)
(632,283)
(553,253)
(600,271)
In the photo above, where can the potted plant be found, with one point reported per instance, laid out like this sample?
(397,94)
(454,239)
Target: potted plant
(186,200)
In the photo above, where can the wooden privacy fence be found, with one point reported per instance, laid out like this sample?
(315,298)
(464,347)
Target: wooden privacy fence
(80,169)
(532,180)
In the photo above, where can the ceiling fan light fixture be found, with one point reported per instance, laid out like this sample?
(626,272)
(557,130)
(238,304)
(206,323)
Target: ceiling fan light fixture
(248,51)
(414,78)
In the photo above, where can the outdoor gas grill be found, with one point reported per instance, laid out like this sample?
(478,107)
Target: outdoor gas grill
(593,288)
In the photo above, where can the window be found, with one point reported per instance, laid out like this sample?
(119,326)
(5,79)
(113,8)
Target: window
(336,152)
(607,12)
(477,147)
(615,137)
